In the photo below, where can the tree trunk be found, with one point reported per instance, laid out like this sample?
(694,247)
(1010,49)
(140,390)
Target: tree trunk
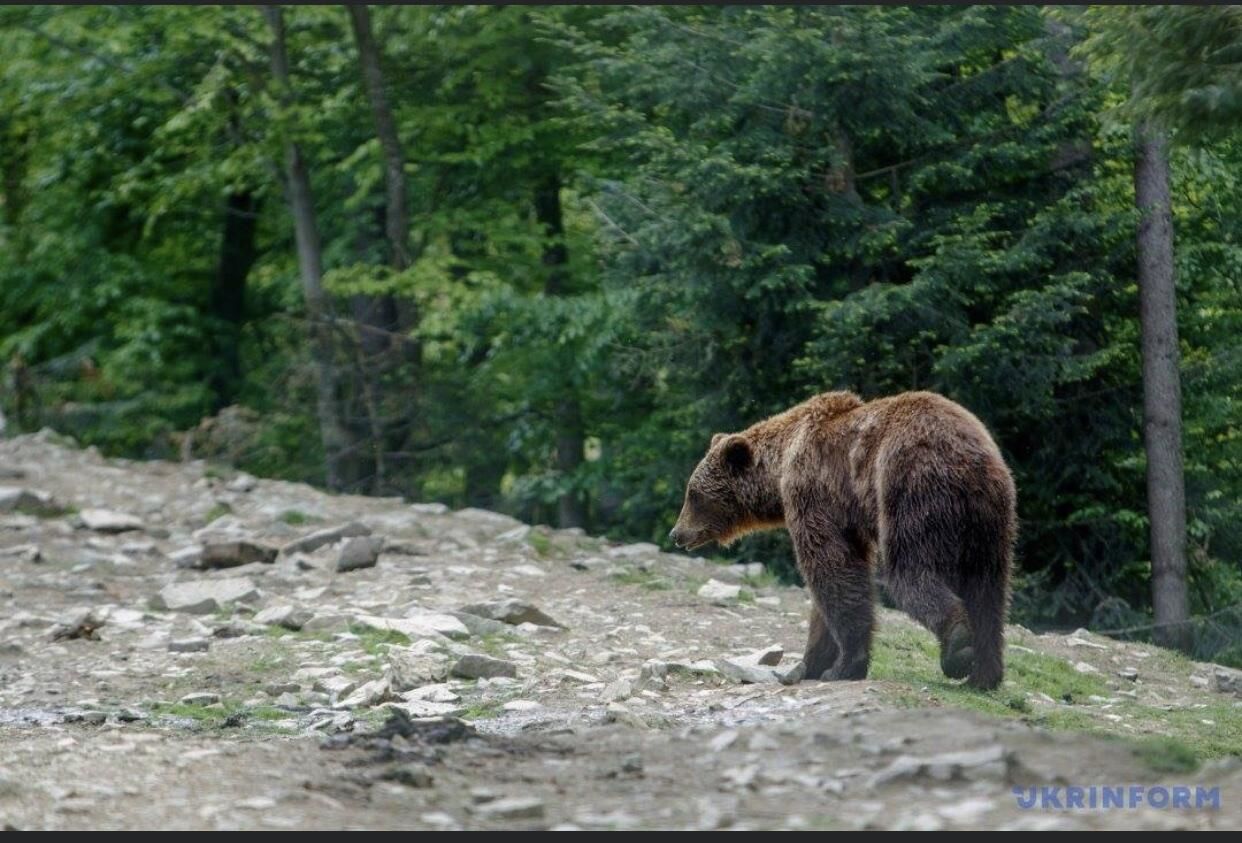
(570,437)
(228,293)
(1162,392)
(397,220)
(332,430)
(394,320)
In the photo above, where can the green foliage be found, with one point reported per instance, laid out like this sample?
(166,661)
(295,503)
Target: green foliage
(757,204)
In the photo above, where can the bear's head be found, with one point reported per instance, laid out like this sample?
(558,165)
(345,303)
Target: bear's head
(718,506)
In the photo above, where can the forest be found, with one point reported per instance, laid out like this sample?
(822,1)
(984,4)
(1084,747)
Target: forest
(530,259)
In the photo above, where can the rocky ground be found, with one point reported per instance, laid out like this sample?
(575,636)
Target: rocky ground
(182,646)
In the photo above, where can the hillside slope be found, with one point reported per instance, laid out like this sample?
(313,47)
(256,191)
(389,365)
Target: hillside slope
(372,664)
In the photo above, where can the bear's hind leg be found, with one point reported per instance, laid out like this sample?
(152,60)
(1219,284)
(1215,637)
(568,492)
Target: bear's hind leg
(986,602)
(925,597)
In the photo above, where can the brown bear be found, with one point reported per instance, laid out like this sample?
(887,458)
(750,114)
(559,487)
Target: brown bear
(911,486)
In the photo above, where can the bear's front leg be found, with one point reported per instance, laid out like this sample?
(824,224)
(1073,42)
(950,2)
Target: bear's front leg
(821,647)
(839,580)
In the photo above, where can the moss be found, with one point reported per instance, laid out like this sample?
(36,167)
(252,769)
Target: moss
(295,517)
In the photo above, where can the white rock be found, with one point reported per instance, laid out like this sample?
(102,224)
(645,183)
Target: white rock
(478,666)
(202,597)
(419,626)
(287,616)
(330,535)
(511,808)
(109,521)
(719,592)
(522,705)
(368,695)
(511,611)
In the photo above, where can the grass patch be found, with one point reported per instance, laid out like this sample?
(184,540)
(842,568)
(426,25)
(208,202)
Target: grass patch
(494,643)
(374,641)
(643,579)
(220,510)
(295,517)
(1166,740)
(268,663)
(746,596)
(1167,755)
(482,710)
(229,714)
(542,544)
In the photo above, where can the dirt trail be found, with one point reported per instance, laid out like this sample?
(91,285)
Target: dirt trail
(468,671)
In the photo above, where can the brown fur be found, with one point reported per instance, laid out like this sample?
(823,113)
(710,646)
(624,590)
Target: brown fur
(910,489)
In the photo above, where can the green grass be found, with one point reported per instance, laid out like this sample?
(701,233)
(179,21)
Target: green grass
(494,643)
(541,543)
(268,663)
(482,710)
(295,517)
(1167,740)
(643,579)
(218,511)
(1167,755)
(375,641)
(228,714)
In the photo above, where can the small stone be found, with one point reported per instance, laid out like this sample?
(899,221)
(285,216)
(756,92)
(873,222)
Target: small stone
(108,521)
(438,693)
(481,627)
(1227,681)
(422,708)
(408,668)
(1128,673)
(723,741)
(288,617)
(16,499)
(202,597)
(242,483)
(757,674)
(200,698)
(231,554)
(511,808)
(421,625)
(622,689)
(1084,667)
(522,705)
(719,592)
(368,695)
(360,552)
(989,762)
(512,612)
(478,666)
(410,775)
(769,656)
(187,557)
(189,645)
(23,553)
(78,623)
(312,542)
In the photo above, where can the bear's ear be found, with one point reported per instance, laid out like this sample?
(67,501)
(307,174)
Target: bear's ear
(737,454)
(716,438)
